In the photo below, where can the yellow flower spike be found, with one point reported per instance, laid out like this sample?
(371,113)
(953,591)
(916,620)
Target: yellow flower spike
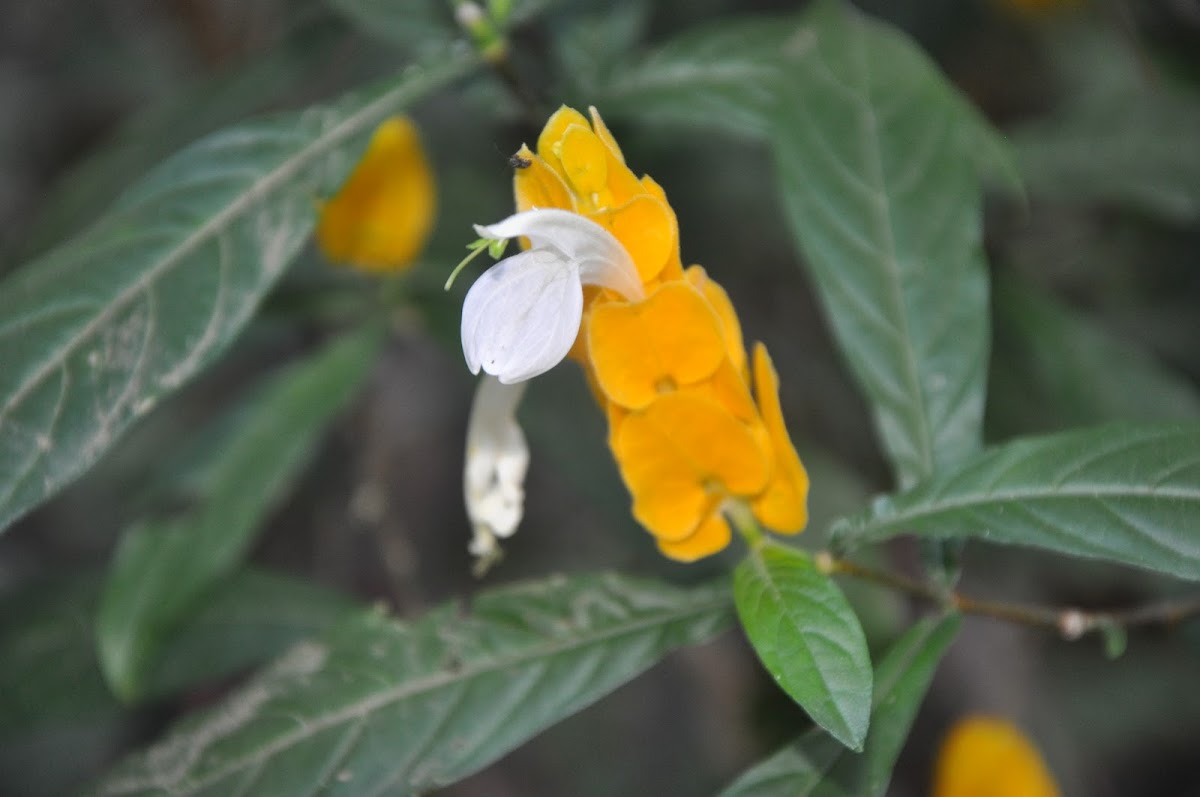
(681,457)
(718,299)
(382,215)
(989,757)
(602,132)
(646,228)
(783,505)
(640,349)
(661,347)
(539,186)
(710,537)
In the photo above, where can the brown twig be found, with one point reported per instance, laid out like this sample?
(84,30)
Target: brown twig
(1070,623)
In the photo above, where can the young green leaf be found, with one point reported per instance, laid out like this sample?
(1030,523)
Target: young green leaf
(162,568)
(807,637)
(880,183)
(814,766)
(381,707)
(95,332)
(1129,494)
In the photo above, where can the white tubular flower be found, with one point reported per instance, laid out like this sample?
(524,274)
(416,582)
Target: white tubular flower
(522,315)
(494,475)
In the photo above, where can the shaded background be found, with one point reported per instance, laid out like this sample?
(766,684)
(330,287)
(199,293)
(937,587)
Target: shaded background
(1097,292)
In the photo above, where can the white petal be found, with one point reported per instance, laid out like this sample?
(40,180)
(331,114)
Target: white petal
(496,462)
(522,315)
(601,258)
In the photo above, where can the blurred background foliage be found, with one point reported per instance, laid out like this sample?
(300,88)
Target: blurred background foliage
(1096,295)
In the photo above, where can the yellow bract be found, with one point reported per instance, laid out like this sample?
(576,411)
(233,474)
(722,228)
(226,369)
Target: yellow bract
(682,456)
(988,757)
(382,215)
(783,505)
(645,226)
(641,349)
(670,370)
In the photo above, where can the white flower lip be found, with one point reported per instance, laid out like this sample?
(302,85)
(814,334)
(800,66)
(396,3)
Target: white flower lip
(522,315)
(496,462)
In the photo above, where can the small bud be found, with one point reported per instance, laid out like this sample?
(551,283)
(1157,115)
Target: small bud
(470,16)
(496,248)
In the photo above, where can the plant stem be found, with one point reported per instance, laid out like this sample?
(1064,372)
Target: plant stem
(1070,623)
(743,520)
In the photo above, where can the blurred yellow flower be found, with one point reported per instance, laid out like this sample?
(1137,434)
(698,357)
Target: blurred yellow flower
(382,215)
(665,359)
(989,757)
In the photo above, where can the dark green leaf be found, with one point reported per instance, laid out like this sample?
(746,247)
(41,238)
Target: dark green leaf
(734,73)
(797,770)
(590,45)
(1138,149)
(152,134)
(1130,494)
(421,27)
(1126,133)
(1056,369)
(381,707)
(723,75)
(162,568)
(93,334)
(880,182)
(814,766)
(48,670)
(901,681)
(247,619)
(807,637)
(49,674)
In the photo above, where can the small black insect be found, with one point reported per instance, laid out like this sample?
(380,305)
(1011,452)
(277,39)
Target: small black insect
(517,162)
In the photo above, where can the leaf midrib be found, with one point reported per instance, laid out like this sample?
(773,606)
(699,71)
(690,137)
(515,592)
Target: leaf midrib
(428,683)
(891,260)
